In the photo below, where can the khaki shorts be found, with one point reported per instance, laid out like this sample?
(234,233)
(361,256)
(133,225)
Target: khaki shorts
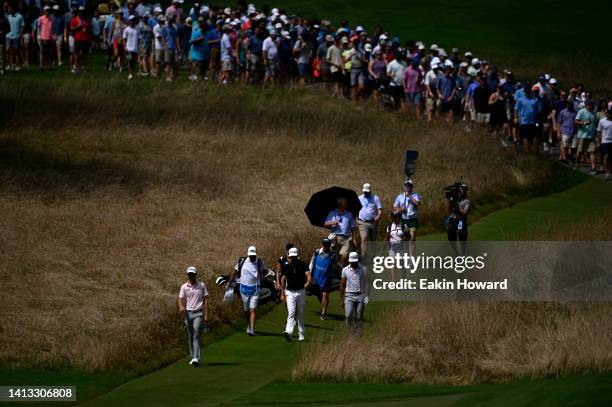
(367,230)
(159,56)
(343,245)
(431,103)
(586,145)
(226,66)
(483,118)
(566,141)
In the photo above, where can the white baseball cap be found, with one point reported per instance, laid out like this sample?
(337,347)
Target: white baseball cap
(192,270)
(552,81)
(368,47)
(382,37)
(157,9)
(463,65)
(354,257)
(433,47)
(475,61)
(367,187)
(252,251)
(421,47)
(278,25)
(227,10)
(448,62)
(294,252)
(359,29)
(467,54)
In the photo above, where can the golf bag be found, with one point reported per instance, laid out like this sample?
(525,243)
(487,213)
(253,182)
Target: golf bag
(267,291)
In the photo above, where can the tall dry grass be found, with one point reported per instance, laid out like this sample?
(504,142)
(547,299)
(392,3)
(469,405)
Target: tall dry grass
(108,193)
(468,342)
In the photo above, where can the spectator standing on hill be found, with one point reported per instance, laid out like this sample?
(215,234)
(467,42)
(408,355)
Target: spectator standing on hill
(354,291)
(171,47)
(226,55)
(586,124)
(13,37)
(293,292)
(566,123)
(396,71)
(323,264)
(369,216)
(413,90)
(193,304)
(604,136)
(431,90)
(270,57)
(481,102)
(45,34)
(145,45)
(198,50)
(80,28)
(116,32)
(526,112)
(408,203)
(4,28)
(446,91)
(130,39)
(250,269)
(336,67)
(342,224)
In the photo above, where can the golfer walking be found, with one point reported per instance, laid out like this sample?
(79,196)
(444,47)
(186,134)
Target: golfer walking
(296,280)
(250,269)
(193,304)
(353,291)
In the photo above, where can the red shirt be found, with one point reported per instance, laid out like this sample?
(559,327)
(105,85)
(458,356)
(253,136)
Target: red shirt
(80,26)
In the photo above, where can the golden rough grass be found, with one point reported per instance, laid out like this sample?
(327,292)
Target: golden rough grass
(468,342)
(104,210)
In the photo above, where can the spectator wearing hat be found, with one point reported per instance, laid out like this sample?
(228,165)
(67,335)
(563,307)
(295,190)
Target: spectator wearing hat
(323,264)
(369,216)
(586,124)
(270,58)
(321,56)
(193,305)
(302,51)
(130,39)
(342,224)
(408,203)
(250,270)
(395,71)
(58,31)
(566,126)
(431,90)
(354,289)
(295,280)
(377,68)
(457,228)
(395,237)
(45,35)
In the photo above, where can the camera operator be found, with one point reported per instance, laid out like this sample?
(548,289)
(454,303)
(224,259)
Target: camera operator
(458,206)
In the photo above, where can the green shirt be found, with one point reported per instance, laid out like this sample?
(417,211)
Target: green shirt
(586,130)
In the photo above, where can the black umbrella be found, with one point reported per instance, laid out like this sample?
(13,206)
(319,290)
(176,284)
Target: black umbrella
(322,202)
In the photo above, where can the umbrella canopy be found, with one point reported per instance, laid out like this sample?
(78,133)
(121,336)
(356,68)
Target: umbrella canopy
(322,202)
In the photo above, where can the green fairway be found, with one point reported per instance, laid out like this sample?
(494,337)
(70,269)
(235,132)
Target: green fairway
(243,370)
(554,36)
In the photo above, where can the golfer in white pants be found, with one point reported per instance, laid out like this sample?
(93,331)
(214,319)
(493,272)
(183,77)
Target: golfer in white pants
(297,279)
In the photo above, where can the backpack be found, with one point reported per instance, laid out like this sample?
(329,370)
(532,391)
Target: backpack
(241,263)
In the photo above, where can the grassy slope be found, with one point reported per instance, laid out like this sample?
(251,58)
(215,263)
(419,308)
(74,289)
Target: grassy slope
(261,362)
(549,34)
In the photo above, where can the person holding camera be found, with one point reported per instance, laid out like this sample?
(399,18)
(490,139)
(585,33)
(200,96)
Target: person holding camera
(458,206)
(407,203)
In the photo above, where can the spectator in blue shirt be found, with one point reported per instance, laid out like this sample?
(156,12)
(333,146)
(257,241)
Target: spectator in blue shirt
(526,112)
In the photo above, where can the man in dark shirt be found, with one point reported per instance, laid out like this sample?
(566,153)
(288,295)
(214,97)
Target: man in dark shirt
(295,278)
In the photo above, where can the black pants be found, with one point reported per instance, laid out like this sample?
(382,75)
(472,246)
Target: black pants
(457,229)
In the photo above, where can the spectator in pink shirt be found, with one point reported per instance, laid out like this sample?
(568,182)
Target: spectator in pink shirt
(45,35)
(193,304)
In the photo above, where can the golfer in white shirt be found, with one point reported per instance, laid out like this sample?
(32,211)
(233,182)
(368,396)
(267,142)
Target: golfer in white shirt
(193,303)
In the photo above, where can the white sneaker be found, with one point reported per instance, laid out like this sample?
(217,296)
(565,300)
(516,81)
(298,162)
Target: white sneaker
(130,76)
(250,332)
(195,362)
(191,361)
(193,78)
(301,338)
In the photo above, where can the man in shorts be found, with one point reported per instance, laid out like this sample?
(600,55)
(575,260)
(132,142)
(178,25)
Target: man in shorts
(446,90)
(336,67)
(171,46)
(226,49)
(431,90)
(16,26)
(250,269)
(566,123)
(408,203)
(604,137)
(413,88)
(130,39)
(369,216)
(158,38)
(270,57)
(80,27)
(145,45)
(526,110)
(342,224)
(323,265)
(586,125)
